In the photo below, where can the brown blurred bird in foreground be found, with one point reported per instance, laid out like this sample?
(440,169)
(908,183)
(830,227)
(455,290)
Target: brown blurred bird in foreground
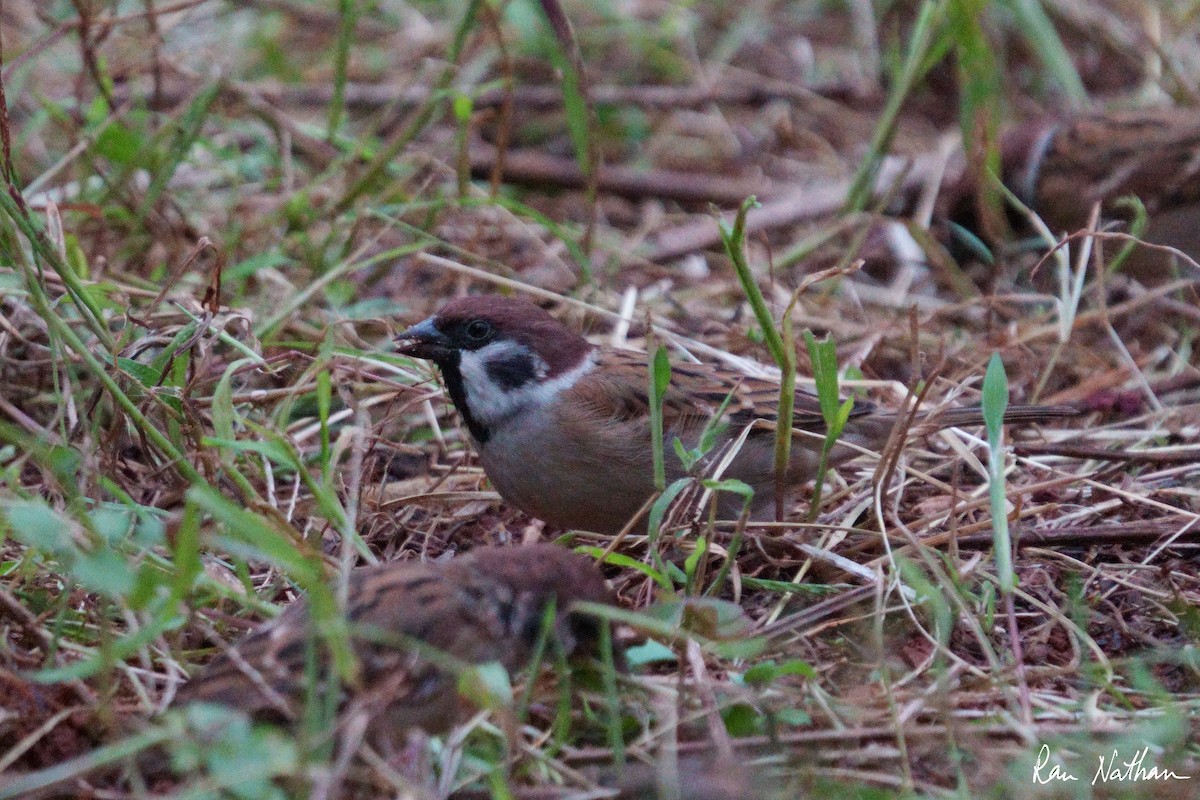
(562,426)
(409,621)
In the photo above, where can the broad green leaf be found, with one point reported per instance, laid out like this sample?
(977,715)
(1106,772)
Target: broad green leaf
(742,719)
(37,525)
(146,375)
(767,672)
(731,485)
(119,144)
(104,571)
(650,652)
(487,686)
(995,396)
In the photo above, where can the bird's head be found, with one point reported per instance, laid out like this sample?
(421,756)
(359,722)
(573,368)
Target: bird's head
(499,356)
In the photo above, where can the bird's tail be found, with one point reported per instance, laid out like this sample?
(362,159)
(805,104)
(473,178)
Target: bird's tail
(973,415)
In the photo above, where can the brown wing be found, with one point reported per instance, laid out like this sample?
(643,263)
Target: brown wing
(389,606)
(695,393)
(412,622)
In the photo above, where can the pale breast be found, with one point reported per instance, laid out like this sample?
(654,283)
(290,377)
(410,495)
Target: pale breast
(592,477)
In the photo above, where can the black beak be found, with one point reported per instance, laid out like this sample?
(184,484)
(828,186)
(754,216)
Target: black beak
(424,340)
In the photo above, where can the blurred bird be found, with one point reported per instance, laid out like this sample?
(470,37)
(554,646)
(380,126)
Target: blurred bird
(1060,167)
(411,624)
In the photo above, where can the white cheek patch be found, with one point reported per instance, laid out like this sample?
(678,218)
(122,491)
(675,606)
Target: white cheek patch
(492,398)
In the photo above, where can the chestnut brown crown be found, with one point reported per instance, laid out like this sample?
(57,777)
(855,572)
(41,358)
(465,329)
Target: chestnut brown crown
(472,323)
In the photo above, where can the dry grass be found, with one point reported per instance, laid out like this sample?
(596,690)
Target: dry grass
(195,375)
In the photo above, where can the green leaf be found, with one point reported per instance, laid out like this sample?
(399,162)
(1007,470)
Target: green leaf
(325,403)
(731,485)
(186,553)
(112,523)
(660,379)
(650,652)
(793,716)
(65,462)
(223,414)
(767,672)
(734,240)
(687,458)
(145,586)
(834,411)
(104,571)
(463,107)
(785,586)
(843,416)
(659,509)
(674,572)
(715,426)
(271,449)
(1137,229)
(995,396)
(987,602)
(487,686)
(823,355)
(37,525)
(693,559)
(930,595)
(238,756)
(147,376)
(995,402)
(742,719)
(119,144)
(626,562)
(739,648)
(661,371)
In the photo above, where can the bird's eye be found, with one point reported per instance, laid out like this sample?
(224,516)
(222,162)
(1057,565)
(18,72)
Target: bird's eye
(479,329)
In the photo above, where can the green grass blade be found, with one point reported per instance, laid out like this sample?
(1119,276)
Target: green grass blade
(995,402)
(660,379)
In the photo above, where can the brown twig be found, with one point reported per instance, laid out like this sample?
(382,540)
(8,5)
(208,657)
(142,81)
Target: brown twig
(539,169)
(8,168)
(1127,533)
(369,97)
(87,48)
(783,209)
(1159,455)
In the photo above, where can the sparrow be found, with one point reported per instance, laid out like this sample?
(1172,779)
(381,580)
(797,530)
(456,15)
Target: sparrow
(562,426)
(1061,166)
(410,622)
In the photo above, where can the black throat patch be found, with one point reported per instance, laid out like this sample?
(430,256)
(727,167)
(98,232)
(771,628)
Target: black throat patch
(458,395)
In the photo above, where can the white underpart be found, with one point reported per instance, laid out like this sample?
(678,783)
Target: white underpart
(491,403)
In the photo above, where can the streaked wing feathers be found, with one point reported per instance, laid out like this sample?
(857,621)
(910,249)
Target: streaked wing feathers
(619,390)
